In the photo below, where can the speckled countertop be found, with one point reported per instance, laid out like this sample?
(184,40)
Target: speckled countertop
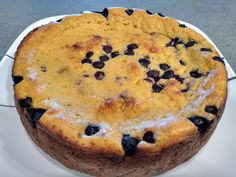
(216,18)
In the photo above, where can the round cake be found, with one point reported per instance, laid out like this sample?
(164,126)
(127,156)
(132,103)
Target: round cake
(121,92)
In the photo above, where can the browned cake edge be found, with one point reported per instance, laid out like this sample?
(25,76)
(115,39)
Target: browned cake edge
(101,165)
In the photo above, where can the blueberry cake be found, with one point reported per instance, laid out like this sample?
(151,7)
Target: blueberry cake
(121,92)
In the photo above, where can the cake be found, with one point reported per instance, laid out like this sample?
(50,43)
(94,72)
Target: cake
(122,92)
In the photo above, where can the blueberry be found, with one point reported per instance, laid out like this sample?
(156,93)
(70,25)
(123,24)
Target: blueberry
(89,54)
(211,109)
(129,11)
(105,12)
(157,88)
(86,60)
(91,130)
(195,74)
(59,20)
(99,75)
(201,123)
(149,137)
(182,62)
(182,25)
(205,50)
(148,12)
(114,54)
(144,62)
(217,58)
(174,42)
(161,15)
(104,58)
(168,74)
(98,64)
(24,103)
(190,43)
(129,52)
(107,48)
(178,78)
(185,90)
(130,49)
(164,66)
(132,46)
(153,73)
(35,113)
(17,79)
(156,79)
(129,144)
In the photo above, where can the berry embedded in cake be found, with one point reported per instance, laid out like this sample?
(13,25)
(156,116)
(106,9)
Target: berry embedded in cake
(121,92)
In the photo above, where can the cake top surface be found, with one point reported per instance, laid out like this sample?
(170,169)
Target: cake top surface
(102,80)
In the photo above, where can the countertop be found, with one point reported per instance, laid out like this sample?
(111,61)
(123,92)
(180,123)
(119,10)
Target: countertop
(216,18)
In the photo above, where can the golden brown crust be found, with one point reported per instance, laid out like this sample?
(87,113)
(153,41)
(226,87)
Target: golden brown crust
(63,124)
(116,166)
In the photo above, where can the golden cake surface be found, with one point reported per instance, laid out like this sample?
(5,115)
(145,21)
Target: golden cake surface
(120,82)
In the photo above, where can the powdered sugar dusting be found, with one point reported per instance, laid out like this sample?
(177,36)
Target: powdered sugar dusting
(204,94)
(69,113)
(157,122)
(201,94)
(32,74)
(30,55)
(205,53)
(104,130)
(52,104)
(60,116)
(160,122)
(209,76)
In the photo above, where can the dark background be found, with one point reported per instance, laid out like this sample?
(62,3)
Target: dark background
(217,18)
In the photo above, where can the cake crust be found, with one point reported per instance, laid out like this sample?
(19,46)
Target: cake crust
(97,164)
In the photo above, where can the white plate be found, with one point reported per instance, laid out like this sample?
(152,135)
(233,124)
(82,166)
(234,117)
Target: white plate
(19,157)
